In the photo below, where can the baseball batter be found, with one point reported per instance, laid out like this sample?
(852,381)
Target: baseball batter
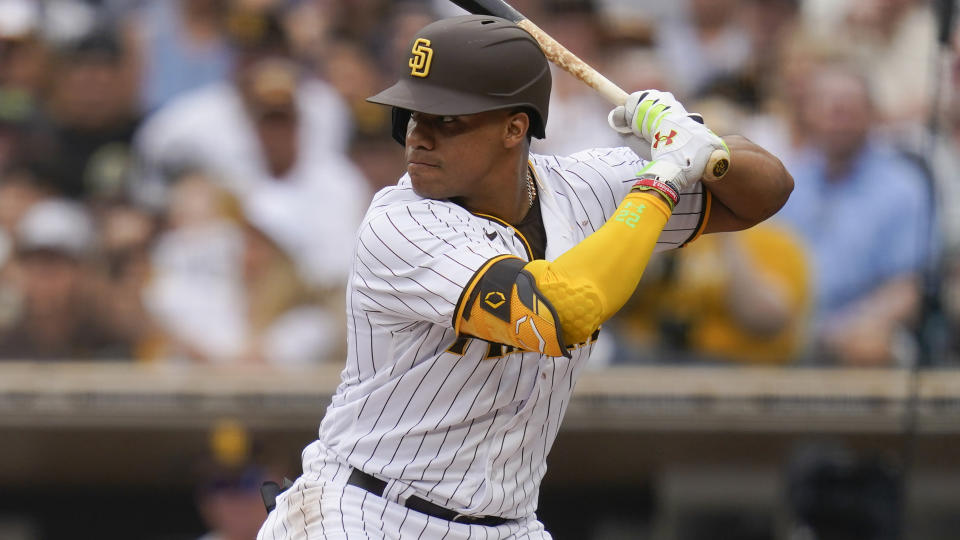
(480,282)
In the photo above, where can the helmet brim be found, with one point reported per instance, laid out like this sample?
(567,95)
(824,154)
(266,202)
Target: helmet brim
(421,96)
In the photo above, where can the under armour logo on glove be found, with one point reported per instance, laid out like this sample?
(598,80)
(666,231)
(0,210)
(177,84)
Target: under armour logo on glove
(668,138)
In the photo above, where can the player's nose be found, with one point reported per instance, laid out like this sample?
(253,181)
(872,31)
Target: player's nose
(419,133)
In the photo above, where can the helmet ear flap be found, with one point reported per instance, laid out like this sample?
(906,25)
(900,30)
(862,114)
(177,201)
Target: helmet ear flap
(399,119)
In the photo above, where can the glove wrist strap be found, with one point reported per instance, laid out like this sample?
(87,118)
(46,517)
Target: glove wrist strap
(669,192)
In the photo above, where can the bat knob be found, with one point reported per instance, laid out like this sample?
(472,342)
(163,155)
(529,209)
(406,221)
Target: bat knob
(717,166)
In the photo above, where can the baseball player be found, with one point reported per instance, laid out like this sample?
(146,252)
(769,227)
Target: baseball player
(479,284)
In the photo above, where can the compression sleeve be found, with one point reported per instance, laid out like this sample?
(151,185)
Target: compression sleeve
(591,281)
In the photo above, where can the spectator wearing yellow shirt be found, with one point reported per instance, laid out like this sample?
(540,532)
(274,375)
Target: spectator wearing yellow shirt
(739,298)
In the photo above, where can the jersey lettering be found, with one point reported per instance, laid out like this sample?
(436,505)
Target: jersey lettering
(494,350)
(459,346)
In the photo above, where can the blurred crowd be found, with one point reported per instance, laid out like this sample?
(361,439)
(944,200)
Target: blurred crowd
(180,180)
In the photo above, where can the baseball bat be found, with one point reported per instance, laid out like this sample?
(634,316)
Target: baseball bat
(719,160)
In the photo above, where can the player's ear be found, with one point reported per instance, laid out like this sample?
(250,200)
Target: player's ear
(515,132)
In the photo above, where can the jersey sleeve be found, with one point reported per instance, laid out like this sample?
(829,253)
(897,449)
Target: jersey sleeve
(595,181)
(688,220)
(414,261)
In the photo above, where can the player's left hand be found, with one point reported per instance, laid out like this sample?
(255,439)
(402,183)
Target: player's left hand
(643,111)
(674,134)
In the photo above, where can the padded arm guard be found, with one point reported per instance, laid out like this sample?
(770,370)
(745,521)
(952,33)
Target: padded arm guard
(502,304)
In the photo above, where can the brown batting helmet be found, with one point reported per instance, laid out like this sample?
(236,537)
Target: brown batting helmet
(467,65)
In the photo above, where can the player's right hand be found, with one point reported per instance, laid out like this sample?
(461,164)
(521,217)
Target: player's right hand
(674,134)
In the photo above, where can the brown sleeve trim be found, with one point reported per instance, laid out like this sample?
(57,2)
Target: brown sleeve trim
(704,217)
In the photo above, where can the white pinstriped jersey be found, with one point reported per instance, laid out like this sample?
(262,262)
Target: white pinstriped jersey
(464,423)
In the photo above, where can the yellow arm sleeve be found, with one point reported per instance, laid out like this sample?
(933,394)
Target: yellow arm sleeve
(590,282)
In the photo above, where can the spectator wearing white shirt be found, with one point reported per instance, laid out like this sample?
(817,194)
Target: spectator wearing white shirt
(276,139)
(222,292)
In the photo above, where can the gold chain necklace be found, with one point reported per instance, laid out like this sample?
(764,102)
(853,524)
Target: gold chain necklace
(531,189)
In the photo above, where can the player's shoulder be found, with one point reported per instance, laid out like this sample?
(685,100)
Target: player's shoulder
(589,172)
(613,156)
(596,159)
(399,205)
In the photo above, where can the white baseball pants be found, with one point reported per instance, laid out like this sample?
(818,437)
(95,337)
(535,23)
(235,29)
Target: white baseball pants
(321,504)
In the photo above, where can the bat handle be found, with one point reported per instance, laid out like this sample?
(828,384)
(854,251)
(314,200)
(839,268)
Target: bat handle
(569,62)
(611,92)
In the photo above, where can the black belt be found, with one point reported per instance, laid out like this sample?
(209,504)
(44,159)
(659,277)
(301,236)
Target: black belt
(376,486)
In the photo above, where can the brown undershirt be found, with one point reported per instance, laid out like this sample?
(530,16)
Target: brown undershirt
(531,227)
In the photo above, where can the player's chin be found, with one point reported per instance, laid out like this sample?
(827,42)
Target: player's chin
(426,181)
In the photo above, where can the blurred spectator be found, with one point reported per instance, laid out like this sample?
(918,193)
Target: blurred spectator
(213,123)
(229,502)
(221,290)
(21,185)
(766,26)
(637,16)
(894,42)
(126,234)
(578,114)
(309,25)
(946,163)
(23,63)
(777,124)
(228,489)
(23,48)
(352,70)
(362,20)
(835,494)
(276,139)
(741,297)
(946,157)
(824,16)
(767,22)
(863,209)
(406,19)
(708,43)
(90,120)
(62,313)
(178,45)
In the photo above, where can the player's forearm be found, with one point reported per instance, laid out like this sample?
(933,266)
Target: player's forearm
(590,282)
(756,187)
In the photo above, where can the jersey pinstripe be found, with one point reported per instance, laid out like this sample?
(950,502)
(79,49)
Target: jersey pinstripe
(464,423)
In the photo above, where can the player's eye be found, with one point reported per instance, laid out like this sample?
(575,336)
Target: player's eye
(448,119)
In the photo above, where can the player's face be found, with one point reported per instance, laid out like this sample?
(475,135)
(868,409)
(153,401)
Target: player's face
(449,156)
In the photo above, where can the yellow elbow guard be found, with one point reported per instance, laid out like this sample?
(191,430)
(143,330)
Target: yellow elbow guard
(578,303)
(503,305)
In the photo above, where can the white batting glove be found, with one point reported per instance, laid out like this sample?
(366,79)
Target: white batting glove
(642,111)
(673,134)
